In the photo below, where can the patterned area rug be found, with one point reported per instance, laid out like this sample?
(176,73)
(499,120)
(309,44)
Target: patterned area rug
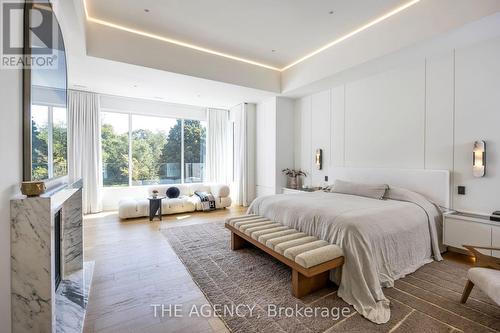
(425,301)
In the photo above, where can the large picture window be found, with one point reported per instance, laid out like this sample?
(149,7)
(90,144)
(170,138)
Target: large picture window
(145,150)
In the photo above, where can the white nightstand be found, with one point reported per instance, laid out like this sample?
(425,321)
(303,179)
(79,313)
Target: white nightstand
(286,190)
(471,229)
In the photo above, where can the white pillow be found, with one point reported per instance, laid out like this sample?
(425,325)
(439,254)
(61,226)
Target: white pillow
(376,191)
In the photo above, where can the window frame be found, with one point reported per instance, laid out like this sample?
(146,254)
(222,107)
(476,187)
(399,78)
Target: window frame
(130,160)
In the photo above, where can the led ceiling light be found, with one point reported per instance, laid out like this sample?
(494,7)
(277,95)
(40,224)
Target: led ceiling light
(229,56)
(354,32)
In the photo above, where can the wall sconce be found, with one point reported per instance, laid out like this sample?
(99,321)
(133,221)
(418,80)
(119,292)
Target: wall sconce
(479,159)
(319,159)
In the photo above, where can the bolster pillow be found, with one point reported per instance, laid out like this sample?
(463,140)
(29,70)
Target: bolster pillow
(375,191)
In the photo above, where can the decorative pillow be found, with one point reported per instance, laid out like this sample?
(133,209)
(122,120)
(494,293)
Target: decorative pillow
(375,191)
(173,192)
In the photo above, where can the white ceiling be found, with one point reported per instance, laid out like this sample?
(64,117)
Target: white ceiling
(118,62)
(243,28)
(122,79)
(117,78)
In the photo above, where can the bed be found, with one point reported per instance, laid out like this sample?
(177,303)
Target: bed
(382,240)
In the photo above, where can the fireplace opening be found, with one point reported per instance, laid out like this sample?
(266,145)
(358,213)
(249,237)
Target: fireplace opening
(57,248)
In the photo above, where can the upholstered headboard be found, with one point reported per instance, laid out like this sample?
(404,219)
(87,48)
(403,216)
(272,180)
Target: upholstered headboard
(433,184)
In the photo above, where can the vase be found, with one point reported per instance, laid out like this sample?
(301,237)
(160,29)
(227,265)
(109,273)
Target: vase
(292,182)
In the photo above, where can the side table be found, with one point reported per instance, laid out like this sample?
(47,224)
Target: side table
(155,207)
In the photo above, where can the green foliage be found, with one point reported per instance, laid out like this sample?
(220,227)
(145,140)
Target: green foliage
(194,142)
(146,152)
(156,156)
(60,149)
(39,152)
(114,156)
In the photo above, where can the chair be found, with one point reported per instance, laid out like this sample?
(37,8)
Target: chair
(485,274)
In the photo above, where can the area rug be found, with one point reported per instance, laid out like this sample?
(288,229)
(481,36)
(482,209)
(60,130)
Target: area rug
(250,291)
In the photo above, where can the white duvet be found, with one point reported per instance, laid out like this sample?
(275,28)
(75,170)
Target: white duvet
(382,240)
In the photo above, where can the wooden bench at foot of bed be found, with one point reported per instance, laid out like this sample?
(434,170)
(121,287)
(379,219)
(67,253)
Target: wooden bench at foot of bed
(309,258)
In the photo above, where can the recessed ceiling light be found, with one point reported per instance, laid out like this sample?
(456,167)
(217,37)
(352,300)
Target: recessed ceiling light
(135,86)
(146,10)
(331,12)
(273,50)
(248,61)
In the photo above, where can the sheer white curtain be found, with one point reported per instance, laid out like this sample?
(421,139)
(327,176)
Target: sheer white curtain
(218,147)
(84,147)
(243,191)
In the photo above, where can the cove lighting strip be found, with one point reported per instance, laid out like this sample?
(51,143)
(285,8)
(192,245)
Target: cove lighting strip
(229,56)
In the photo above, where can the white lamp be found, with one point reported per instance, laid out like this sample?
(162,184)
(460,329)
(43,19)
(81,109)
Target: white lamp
(479,159)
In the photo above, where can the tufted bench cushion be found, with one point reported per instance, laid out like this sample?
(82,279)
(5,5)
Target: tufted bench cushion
(307,251)
(308,256)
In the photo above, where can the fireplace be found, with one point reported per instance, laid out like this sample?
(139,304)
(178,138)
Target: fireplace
(57,249)
(47,262)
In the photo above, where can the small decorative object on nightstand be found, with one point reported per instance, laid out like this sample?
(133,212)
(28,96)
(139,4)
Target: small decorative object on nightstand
(293,178)
(155,207)
(460,228)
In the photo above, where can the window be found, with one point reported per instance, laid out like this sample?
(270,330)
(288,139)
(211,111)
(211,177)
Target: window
(49,142)
(115,149)
(195,133)
(156,150)
(162,150)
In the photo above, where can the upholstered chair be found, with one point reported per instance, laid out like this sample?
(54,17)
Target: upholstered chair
(485,274)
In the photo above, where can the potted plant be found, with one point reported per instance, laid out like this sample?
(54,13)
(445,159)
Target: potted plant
(155,193)
(293,177)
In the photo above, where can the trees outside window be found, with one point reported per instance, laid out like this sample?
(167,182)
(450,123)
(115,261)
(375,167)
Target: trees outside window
(195,133)
(115,149)
(156,146)
(49,153)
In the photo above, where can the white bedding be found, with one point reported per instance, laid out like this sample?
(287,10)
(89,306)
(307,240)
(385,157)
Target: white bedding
(382,240)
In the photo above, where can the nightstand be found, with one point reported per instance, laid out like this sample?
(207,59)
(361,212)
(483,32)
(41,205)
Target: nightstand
(286,190)
(461,228)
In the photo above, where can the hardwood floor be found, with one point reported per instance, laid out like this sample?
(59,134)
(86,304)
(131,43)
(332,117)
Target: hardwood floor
(135,268)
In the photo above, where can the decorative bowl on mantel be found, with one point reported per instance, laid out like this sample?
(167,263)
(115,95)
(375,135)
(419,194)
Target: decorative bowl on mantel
(33,189)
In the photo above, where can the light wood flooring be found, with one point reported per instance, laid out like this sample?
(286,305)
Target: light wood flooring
(135,267)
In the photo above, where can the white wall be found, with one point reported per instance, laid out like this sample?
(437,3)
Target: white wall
(477,117)
(425,113)
(10,169)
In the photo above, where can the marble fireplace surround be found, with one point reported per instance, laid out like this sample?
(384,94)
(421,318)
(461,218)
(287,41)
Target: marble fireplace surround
(36,306)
